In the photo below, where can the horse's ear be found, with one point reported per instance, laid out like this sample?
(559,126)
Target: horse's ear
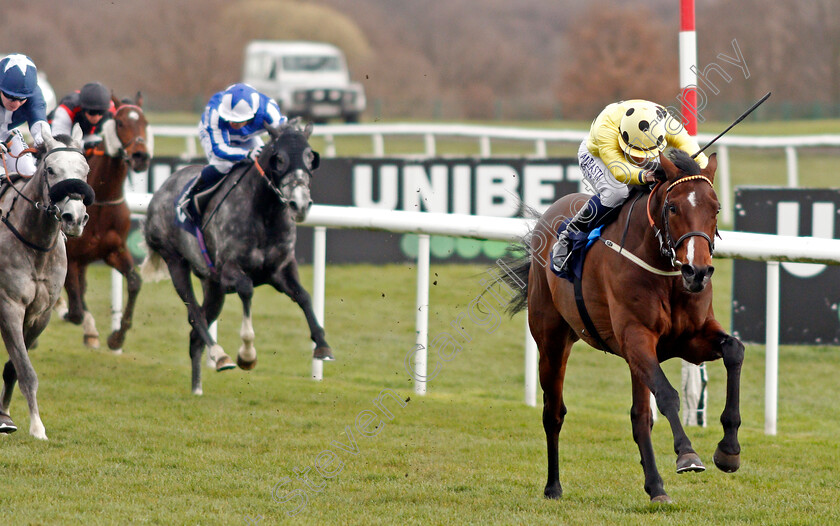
(138,100)
(77,135)
(307,132)
(671,170)
(46,135)
(274,132)
(711,168)
(115,100)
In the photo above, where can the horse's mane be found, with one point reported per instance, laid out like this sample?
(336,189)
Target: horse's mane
(684,162)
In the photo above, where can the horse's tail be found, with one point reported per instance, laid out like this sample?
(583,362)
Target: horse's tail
(517,265)
(153,268)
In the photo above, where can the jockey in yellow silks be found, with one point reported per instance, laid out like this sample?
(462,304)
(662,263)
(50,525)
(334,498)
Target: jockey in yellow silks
(622,148)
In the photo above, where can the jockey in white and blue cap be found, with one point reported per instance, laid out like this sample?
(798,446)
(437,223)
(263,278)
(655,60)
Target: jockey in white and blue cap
(229,132)
(21,101)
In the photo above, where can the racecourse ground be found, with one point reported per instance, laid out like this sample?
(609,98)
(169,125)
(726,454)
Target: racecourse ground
(130,444)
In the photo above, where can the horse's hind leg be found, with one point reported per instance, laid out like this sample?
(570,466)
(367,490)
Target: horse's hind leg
(286,280)
(9,380)
(554,340)
(121,260)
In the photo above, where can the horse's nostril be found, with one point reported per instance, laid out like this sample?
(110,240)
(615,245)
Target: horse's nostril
(293,205)
(687,271)
(710,271)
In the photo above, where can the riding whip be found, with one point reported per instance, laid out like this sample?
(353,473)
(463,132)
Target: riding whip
(739,119)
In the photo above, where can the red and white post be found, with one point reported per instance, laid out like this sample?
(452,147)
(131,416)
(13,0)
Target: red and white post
(694,396)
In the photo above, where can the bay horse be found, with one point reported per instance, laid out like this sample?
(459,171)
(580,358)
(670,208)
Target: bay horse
(37,212)
(126,143)
(646,287)
(249,232)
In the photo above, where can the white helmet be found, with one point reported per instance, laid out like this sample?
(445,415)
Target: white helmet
(642,129)
(239,103)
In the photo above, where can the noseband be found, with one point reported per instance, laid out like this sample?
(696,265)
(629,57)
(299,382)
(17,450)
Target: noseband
(667,246)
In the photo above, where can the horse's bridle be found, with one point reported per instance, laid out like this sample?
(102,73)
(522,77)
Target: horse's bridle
(667,246)
(294,183)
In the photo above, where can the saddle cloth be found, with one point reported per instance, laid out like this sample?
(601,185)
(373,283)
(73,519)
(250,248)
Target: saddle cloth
(580,243)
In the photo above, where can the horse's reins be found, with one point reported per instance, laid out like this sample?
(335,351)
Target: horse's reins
(271,185)
(123,152)
(52,209)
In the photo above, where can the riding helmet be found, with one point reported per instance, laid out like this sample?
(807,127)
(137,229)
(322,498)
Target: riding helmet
(642,129)
(95,96)
(18,76)
(239,103)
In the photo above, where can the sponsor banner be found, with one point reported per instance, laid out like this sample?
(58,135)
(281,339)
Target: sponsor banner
(493,187)
(810,294)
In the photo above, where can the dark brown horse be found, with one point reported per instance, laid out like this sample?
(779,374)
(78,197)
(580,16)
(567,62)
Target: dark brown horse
(645,311)
(125,144)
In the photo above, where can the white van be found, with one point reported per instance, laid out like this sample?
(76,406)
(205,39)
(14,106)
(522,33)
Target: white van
(307,79)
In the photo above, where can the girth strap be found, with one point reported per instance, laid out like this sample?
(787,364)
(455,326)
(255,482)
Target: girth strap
(584,316)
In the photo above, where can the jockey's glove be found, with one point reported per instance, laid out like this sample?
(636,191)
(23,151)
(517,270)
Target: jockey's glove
(254,154)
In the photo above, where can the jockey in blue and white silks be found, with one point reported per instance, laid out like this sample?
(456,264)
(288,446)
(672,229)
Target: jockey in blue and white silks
(229,132)
(21,101)
(232,122)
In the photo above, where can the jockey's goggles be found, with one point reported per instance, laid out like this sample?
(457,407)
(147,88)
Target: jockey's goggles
(13,98)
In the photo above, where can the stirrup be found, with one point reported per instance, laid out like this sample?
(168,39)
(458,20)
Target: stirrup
(558,258)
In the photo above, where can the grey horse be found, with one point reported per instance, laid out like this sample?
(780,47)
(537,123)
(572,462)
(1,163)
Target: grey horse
(33,261)
(249,231)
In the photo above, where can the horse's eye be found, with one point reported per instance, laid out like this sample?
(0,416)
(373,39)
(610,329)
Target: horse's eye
(672,208)
(50,170)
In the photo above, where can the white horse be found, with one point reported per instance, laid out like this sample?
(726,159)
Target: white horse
(34,212)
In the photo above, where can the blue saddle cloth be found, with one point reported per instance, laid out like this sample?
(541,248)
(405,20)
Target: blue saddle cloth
(581,241)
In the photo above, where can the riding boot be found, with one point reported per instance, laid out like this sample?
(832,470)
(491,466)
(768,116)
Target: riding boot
(587,217)
(209,176)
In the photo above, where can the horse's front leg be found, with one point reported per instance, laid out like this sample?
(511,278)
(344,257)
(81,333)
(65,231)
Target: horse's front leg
(234,277)
(642,423)
(712,343)
(179,270)
(638,346)
(11,324)
(122,260)
(286,280)
(9,380)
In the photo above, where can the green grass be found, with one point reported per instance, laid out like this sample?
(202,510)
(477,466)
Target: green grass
(130,444)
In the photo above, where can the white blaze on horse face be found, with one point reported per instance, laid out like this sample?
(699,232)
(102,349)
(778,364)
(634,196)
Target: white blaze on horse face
(692,198)
(133,115)
(690,251)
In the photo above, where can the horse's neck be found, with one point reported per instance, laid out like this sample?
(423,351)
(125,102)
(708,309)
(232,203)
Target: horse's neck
(264,207)
(37,225)
(107,177)
(640,238)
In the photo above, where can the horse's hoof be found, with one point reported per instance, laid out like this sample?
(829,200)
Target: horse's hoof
(661,499)
(91,342)
(115,341)
(689,462)
(6,424)
(224,363)
(725,462)
(554,491)
(323,353)
(197,391)
(245,365)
